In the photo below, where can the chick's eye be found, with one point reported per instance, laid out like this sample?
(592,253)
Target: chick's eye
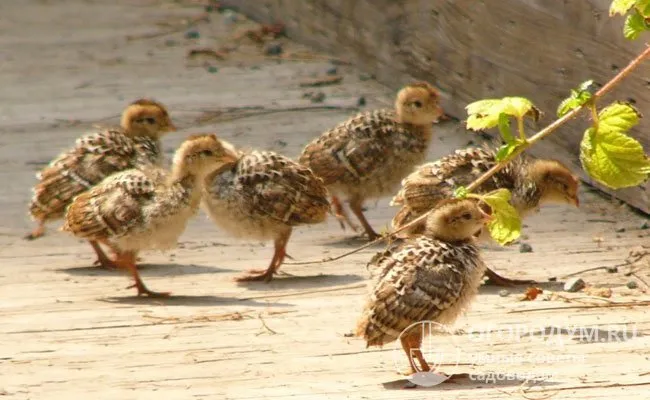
(417,104)
(207,153)
(467,216)
(150,120)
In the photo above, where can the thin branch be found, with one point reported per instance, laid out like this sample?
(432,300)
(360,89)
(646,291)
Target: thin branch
(609,305)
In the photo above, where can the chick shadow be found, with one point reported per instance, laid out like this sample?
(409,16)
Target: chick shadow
(491,289)
(483,380)
(166,269)
(289,281)
(191,301)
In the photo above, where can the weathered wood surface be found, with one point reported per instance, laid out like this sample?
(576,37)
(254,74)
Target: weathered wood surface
(480,49)
(70,331)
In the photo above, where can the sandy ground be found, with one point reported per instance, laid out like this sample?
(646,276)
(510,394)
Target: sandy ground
(67,329)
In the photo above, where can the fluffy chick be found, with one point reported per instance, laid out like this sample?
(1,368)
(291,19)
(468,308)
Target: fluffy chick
(96,156)
(146,208)
(366,156)
(533,182)
(432,277)
(262,196)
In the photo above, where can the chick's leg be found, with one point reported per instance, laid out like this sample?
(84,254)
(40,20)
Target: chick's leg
(498,280)
(126,260)
(356,207)
(37,232)
(278,257)
(342,215)
(411,343)
(103,261)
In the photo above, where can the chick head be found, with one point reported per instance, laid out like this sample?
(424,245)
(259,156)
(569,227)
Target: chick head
(146,117)
(200,154)
(456,220)
(418,104)
(556,182)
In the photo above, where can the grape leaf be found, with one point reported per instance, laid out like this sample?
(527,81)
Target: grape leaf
(577,98)
(620,6)
(506,225)
(613,158)
(635,24)
(618,116)
(484,114)
(643,7)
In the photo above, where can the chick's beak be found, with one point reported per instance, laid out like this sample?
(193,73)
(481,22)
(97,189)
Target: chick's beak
(487,218)
(171,127)
(230,156)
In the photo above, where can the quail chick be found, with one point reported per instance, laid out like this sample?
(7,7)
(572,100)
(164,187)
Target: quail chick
(263,196)
(146,208)
(431,277)
(533,182)
(96,156)
(366,156)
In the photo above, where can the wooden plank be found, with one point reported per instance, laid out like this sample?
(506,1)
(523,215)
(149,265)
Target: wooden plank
(479,49)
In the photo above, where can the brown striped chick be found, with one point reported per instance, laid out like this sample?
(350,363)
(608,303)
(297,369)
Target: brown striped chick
(96,156)
(366,156)
(264,196)
(532,182)
(432,277)
(147,208)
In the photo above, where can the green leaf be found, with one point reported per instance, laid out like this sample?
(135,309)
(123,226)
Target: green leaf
(643,7)
(484,114)
(519,107)
(577,98)
(635,24)
(460,192)
(507,149)
(506,225)
(613,158)
(504,128)
(620,6)
(618,116)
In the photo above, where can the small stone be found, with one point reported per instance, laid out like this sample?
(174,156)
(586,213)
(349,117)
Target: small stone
(365,77)
(332,71)
(632,285)
(192,35)
(524,237)
(611,270)
(504,293)
(574,285)
(619,230)
(212,69)
(273,49)
(255,67)
(525,248)
(645,225)
(170,43)
(318,97)
(361,102)
(281,143)
(552,279)
(229,16)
